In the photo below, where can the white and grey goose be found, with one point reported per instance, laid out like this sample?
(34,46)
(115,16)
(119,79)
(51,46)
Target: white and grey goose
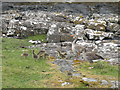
(90,56)
(76,48)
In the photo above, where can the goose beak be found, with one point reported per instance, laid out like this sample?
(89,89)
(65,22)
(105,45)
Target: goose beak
(72,35)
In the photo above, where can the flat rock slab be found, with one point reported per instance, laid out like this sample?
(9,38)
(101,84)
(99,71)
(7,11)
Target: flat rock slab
(89,79)
(65,66)
(76,74)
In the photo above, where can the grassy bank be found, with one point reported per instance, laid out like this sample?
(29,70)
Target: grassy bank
(25,72)
(19,71)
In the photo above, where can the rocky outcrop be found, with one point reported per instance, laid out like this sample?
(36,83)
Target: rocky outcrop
(91,23)
(60,19)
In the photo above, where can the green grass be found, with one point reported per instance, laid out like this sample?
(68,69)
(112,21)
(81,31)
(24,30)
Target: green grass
(12,43)
(25,72)
(19,71)
(101,68)
(41,37)
(22,72)
(104,68)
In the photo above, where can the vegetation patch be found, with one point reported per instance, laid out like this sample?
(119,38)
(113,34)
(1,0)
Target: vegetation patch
(100,68)
(26,72)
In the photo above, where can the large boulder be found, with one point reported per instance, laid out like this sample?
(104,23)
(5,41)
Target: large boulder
(79,30)
(113,27)
(10,32)
(59,32)
(96,25)
(108,49)
(98,35)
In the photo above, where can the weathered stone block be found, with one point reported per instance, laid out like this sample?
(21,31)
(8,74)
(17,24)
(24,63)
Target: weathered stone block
(53,38)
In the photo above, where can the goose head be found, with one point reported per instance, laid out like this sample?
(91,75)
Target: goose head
(76,38)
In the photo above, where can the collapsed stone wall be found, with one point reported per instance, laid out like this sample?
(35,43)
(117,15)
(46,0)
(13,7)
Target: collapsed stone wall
(91,21)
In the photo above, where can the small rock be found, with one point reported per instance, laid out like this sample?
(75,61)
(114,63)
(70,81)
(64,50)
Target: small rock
(76,74)
(104,82)
(115,84)
(60,81)
(90,67)
(34,42)
(23,28)
(65,83)
(114,60)
(89,79)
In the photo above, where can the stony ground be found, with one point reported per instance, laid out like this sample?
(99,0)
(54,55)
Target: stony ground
(47,27)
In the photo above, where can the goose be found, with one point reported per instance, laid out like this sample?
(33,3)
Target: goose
(90,56)
(46,55)
(60,54)
(42,53)
(35,56)
(76,49)
(24,54)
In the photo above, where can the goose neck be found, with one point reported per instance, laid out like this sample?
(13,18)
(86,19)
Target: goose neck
(75,41)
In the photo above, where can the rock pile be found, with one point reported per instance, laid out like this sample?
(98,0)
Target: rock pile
(59,20)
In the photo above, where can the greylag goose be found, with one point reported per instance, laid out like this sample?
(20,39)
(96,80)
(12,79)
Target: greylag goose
(24,54)
(77,49)
(60,54)
(90,56)
(42,54)
(35,56)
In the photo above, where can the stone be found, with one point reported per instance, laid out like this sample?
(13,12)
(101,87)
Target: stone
(115,84)
(76,74)
(104,82)
(79,31)
(66,69)
(88,45)
(114,60)
(113,19)
(60,18)
(97,60)
(113,27)
(23,28)
(54,38)
(65,37)
(98,35)
(89,79)
(65,83)
(11,32)
(34,42)
(96,25)
(65,65)
(28,23)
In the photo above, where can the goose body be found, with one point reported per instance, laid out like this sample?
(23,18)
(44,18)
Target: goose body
(62,55)
(90,56)
(42,54)
(35,56)
(77,49)
(25,54)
